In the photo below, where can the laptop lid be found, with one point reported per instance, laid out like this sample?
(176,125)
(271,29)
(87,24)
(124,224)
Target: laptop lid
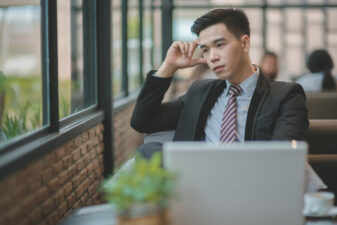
(255,183)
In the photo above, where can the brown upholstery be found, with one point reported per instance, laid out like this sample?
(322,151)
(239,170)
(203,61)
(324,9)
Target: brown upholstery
(322,137)
(326,167)
(322,105)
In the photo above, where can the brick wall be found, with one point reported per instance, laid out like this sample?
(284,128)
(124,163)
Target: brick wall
(126,140)
(49,188)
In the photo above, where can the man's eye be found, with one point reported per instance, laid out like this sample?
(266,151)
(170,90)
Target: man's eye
(219,45)
(204,50)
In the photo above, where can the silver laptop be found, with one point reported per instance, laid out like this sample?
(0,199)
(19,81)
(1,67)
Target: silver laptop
(256,183)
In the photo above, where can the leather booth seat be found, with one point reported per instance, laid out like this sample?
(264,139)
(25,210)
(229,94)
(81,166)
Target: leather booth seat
(322,105)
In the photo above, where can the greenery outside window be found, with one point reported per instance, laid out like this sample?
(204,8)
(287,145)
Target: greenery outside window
(20,70)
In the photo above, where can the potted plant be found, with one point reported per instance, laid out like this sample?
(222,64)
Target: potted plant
(141,193)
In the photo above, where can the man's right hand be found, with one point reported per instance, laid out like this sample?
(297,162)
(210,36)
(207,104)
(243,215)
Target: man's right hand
(179,56)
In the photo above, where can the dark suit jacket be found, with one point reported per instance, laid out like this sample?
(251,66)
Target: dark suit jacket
(277,110)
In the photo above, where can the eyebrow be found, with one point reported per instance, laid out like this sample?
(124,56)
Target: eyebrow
(215,41)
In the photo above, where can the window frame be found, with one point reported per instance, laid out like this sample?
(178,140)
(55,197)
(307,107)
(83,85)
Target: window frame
(23,149)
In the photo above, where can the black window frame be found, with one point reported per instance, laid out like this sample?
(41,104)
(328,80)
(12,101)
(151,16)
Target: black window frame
(21,150)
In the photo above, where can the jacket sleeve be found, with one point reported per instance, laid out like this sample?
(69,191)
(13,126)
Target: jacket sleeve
(292,122)
(150,114)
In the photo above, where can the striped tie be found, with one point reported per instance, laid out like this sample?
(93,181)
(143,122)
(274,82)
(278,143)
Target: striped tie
(228,126)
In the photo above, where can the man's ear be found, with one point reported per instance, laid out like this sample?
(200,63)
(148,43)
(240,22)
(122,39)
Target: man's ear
(245,43)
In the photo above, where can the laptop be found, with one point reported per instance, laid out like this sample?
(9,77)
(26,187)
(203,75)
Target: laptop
(252,183)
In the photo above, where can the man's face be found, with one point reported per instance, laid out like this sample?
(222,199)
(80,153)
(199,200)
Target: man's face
(223,51)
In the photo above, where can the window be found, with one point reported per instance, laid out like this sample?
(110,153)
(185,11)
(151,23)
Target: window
(117,48)
(133,45)
(20,70)
(71,74)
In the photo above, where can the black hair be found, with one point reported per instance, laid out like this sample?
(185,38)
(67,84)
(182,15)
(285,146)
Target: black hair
(270,53)
(321,61)
(235,20)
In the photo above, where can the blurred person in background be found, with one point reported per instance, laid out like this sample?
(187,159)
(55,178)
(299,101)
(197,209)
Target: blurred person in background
(320,78)
(269,65)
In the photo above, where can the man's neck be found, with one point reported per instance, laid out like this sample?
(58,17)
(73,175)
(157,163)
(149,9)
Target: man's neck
(243,74)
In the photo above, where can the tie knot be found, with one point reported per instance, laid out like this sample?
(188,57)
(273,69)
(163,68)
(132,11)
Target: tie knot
(234,90)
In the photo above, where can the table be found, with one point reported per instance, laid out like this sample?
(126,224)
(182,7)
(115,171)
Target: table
(104,214)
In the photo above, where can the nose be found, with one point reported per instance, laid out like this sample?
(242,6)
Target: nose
(214,56)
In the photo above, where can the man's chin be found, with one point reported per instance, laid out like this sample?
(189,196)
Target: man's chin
(223,76)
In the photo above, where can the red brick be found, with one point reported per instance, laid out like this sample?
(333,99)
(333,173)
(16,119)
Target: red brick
(102,127)
(28,204)
(92,153)
(34,182)
(84,198)
(60,153)
(69,147)
(92,178)
(84,149)
(90,168)
(41,195)
(59,197)
(53,218)
(36,215)
(85,137)
(91,190)
(100,148)
(76,181)
(62,209)
(95,140)
(92,133)
(86,158)
(14,214)
(68,188)
(23,221)
(47,207)
(67,161)
(100,159)
(50,159)
(57,168)
(98,130)
(90,145)
(100,137)
(71,200)
(63,177)
(78,141)
(83,174)
(53,185)
(76,154)
(47,174)
(5,201)
(95,163)
(80,165)
(77,205)
(72,171)
(79,191)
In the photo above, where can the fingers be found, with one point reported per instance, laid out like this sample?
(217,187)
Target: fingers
(192,46)
(186,48)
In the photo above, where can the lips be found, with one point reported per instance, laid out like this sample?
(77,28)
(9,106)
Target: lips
(218,68)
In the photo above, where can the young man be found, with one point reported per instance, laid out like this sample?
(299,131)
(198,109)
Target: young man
(241,105)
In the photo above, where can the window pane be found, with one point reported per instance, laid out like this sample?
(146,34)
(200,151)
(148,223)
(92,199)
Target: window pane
(70,56)
(20,71)
(147,38)
(116,54)
(133,45)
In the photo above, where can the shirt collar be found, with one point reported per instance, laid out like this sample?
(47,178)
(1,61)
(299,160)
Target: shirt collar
(247,86)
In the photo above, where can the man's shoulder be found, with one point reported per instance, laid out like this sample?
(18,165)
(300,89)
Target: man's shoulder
(285,87)
(205,83)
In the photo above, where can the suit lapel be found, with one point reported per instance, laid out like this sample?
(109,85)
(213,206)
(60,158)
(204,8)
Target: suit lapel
(261,91)
(212,95)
